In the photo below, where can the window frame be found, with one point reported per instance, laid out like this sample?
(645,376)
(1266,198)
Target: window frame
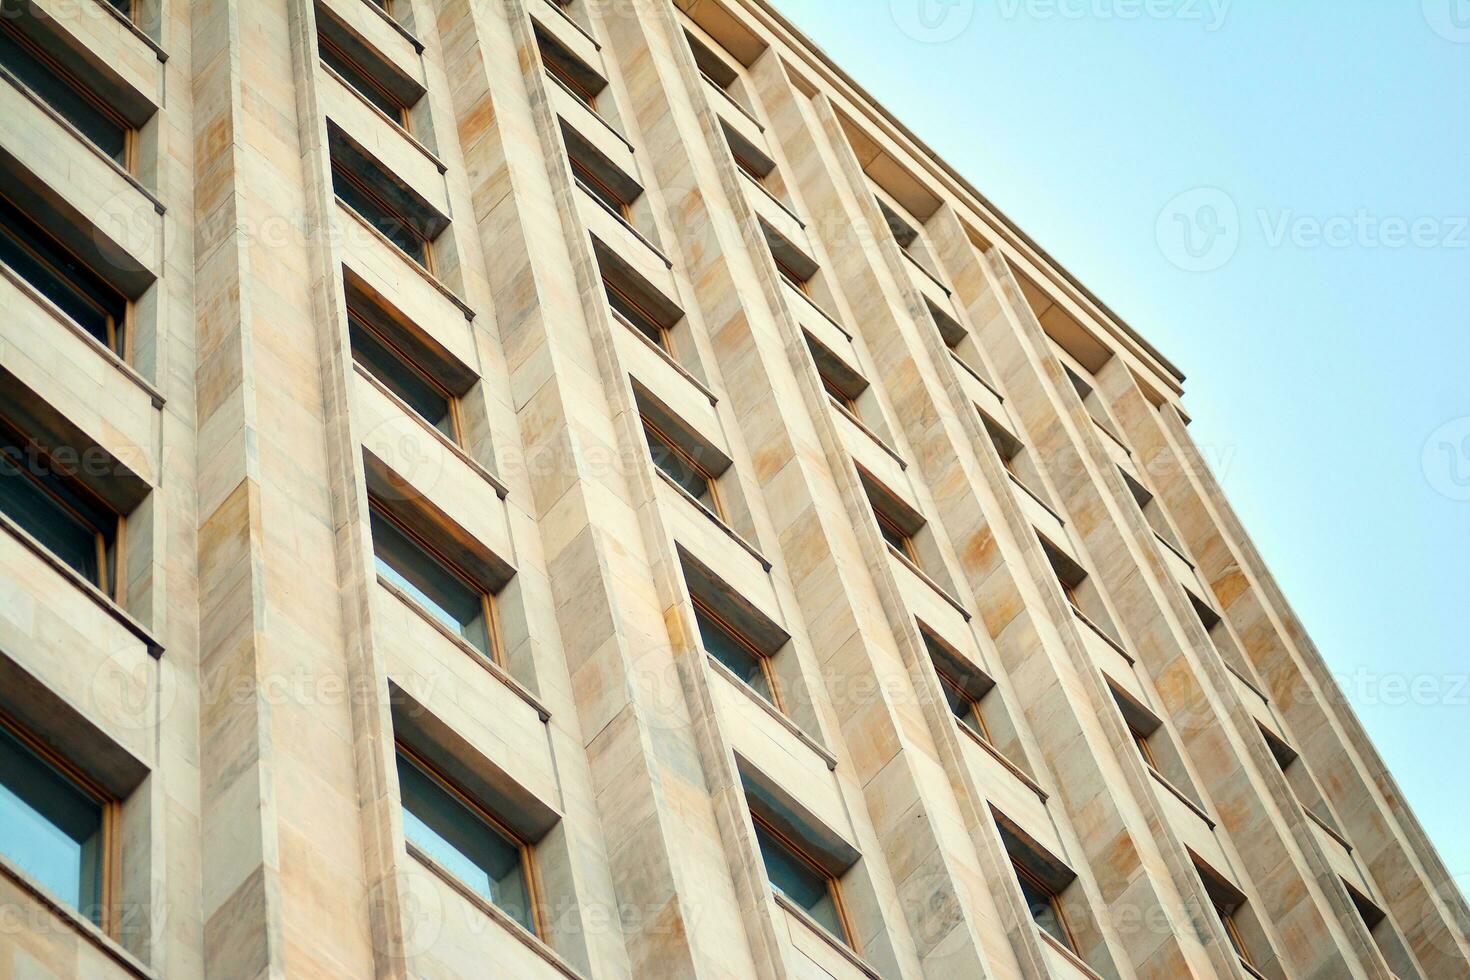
(487,599)
(906,545)
(576,89)
(703,608)
(481,812)
(428,264)
(119,335)
(663,331)
(1069,939)
(599,189)
(1145,750)
(401,117)
(834,391)
(834,885)
(129,161)
(947,681)
(716,506)
(108,569)
(355,314)
(110,865)
(789,275)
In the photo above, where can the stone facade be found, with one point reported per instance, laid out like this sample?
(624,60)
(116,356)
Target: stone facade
(941,465)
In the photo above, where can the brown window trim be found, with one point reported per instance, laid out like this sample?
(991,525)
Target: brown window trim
(365,320)
(958,688)
(717,505)
(582,174)
(111,822)
(573,87)
(119,335)
(1144,749)
(663,331)
(487,600)
(1056,904)
(401,117)
(762,658)
(786,273)
(527,849)
(368,189)
(908,549)
(834,887)
(80,88)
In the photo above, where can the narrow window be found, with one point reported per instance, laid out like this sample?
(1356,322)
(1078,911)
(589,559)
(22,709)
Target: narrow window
(682,468)
(363,79)
(800,880)
(56,273)
(464,839)
(1046,910)
(126,6)
(361,197)
(636,317)
(965,708)
(385,361)
(896,536)
(837,392)
(801,285)
(52,826)
(445,593)
(599,189)
(574,86)
(726,645)
(40,495)
(1141,740)
(63,91)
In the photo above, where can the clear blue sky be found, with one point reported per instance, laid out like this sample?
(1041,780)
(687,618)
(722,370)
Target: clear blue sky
(1321,307)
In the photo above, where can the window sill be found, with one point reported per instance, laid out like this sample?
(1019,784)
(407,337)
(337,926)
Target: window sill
(730,532)
(965,366)
(1326,827)
(396,126)
(999,757)
(924,577)
(863,428)
(501,490)
(568,18)
(80,924)
(1067,954)
(1102,634)
(842,949)
(827,758)
(106,353)
(927,274)
(1170,545)
(403,32)
(102,599)
(592,110)
(1251,971)
(734,102)
(493,668)
(527,938)
(1107,430)
(668,358)
(1036,497)
(93,148)
(1180,795)
(132,28)
(433,280)
(773,198)
(821,312)
(626,224)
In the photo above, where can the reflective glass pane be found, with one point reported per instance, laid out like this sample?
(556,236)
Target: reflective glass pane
(360,80)
(679,468)
(49,828)
(721,644)
(1044,910)
(443,594)
(40,75)
(393,227)
(636,318)
(60,276)
(803,884)
(402,378)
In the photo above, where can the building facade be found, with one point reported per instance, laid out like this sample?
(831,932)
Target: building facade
(503,488)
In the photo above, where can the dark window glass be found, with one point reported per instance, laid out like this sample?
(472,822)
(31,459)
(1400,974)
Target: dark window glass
(604,194)
(799,880)
(37,494)
(1227,919)
(558,71)
(463,842)
(961,706)
(734,653)
(895,537)
(1044,909)
(39,73)
(402,560)
(361,79)
(835,390)
(61,277)
(360,198)
(126,6)
(630,314)
(681,469)
(50,828)
(401,376)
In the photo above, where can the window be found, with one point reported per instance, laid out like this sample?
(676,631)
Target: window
(836,391)
(636,317)
(363,78)
(1046,910)
(800,881)
(385,361)
(800,284)
(464,839)
(1228,903)
(581,82)
(126,6)
(53,825)
(726,645)
(41,260)
(1141,740)
(896,536)
(357,193)
(445,593)
(902,230)
(40,495)
(682,468)
(61,90)
(1006,445)
(599,189)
